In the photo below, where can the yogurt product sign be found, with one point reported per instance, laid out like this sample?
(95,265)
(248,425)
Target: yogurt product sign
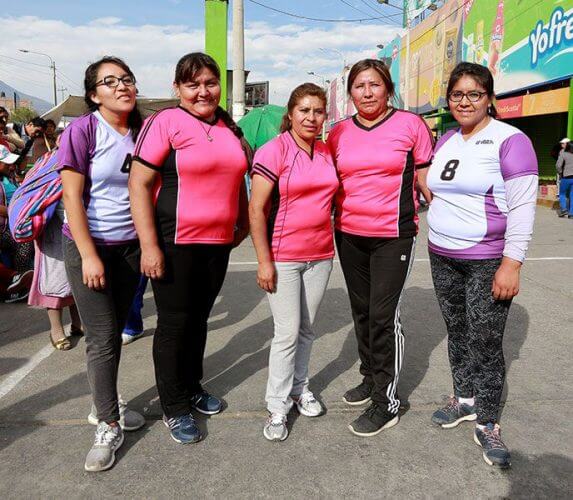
(545,40)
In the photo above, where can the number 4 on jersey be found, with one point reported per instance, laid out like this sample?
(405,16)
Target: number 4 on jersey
(449,171)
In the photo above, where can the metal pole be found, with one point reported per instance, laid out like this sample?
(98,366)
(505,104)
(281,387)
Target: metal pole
(407,75)
(238,59)
(55,89)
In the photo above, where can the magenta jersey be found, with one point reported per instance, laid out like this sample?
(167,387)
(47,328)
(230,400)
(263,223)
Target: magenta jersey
(299,224)
(377,171)
(202,167)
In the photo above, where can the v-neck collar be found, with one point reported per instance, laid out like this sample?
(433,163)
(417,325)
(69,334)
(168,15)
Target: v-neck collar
(311,154)
(376,125)
(477,134)
(102,120)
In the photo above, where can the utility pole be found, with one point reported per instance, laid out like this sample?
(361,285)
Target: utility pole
(52,67)
(216,39)
(62,90)
(238,59)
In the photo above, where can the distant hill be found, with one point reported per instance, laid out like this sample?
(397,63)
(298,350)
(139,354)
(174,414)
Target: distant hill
(40,105)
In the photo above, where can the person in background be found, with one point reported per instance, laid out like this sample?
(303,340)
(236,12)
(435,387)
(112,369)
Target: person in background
(483,190)
(189,205)
(8,136)
(18,256)
(101,251)
(378,153)
(294,174)
(564,167)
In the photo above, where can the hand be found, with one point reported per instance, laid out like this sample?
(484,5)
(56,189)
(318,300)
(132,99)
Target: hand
(423,185)
(240,234)
(267,276)
(93,273)
(152,263)
(506,280)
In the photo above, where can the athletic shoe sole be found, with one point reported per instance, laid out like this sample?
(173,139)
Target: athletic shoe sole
(205,412)
(389,424)
(487,460)
(356,403)
(109,465)
(19,298)
(178,440)
(467,418)
(126,338)
(282,438)
(92,419)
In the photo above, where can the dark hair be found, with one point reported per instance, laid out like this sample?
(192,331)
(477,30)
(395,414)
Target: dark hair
(380,67)
(4,110)
(134,120)
(306,89)
(38,122)
(480,74)
(49,120)
(186,70)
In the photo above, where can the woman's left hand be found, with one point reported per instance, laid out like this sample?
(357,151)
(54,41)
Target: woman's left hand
(506,280)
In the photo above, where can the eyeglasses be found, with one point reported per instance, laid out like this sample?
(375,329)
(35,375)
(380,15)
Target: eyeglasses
(473,96)
(112,82)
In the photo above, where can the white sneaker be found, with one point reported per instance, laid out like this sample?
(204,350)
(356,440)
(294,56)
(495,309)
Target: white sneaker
(275,427)
(129,420)
(307,405)
(102,454)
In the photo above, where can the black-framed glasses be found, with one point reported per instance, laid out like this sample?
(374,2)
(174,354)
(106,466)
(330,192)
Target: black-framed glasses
(112,81)
(473,96)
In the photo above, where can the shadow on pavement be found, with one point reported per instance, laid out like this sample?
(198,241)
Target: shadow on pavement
(546,475)
(8,365)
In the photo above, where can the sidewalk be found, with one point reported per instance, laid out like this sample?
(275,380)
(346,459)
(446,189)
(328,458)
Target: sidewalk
(44,435)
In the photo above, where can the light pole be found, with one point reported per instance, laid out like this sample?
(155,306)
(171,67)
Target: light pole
(238,60)
(52,67)
(339,52)
(318,76)
(324,83)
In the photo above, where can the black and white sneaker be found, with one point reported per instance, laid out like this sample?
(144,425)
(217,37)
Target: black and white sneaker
(19,288)
(373,421)
(494,450)
(359,395)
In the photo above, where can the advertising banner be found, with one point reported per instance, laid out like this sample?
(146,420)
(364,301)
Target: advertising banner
(435,49)
(414,8)
(390,54)
(524,43)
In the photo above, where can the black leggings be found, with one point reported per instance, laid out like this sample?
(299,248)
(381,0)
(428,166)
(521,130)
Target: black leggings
(475,324)
(22,254)
(375,270)
(194,275)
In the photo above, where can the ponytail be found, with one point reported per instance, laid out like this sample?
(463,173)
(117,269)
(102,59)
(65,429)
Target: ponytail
(233,127)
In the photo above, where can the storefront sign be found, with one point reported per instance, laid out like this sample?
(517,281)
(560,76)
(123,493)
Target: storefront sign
(541,103)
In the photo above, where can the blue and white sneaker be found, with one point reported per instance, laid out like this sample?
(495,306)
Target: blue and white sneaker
(454,413)
(494,450)
(183,429)
(129,336)
(206,403)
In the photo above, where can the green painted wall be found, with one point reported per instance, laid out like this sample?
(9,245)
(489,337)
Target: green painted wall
(216,39)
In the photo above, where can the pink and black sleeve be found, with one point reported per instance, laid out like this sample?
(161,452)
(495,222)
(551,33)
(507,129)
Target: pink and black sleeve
(154,142)
(268,161)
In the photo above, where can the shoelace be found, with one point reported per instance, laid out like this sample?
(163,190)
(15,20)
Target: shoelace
(493,437)
(105,435)
(276,419)
(307,398)
(452,404)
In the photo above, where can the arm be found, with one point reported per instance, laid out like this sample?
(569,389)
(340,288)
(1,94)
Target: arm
(242,225)
(521,193)
(92,266)
(141,182)
(423,184)
(560,163)
(260,194)
(3,211)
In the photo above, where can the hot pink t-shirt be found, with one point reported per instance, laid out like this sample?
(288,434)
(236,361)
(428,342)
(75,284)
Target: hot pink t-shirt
(377,171)
(198,198)
(299,225)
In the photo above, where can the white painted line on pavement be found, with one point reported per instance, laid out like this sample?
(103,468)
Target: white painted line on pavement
(16,377)
(528,259)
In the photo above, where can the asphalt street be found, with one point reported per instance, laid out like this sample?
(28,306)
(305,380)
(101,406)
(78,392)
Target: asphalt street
(44,402)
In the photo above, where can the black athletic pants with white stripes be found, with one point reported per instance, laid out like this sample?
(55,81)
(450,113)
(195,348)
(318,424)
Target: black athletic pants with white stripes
(375,270)
(475,324)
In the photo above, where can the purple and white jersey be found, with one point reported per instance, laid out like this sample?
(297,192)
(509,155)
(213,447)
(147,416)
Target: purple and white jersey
(484,191)
(92,147)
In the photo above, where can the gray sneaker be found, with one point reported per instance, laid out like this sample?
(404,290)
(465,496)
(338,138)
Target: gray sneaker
(129,420)
(275,427)
(307,405)
(494,450)
(102,454)
(454,413)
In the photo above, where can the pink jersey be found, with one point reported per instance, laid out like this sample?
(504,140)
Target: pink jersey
(202,167)
(299,222)
(376,167)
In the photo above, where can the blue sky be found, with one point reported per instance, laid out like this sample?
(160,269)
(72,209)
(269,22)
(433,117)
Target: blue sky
(152,35)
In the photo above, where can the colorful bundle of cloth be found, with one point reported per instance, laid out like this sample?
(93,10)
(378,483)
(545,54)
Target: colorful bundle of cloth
(35,201)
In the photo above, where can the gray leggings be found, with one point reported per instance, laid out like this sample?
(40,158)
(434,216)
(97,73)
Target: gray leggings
(300,288)
(475,324)
(103,314)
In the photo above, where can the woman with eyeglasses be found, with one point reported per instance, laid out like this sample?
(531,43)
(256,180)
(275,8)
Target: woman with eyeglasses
(189,204)
(483,183)
(101,250)
(378,153)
